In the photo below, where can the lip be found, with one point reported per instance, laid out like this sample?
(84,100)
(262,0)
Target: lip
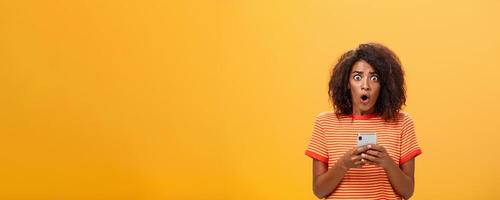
(365,102)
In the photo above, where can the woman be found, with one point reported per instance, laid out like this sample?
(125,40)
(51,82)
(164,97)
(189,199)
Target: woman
(367,91)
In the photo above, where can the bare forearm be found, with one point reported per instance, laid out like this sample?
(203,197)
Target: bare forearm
(326,183)
(402,183)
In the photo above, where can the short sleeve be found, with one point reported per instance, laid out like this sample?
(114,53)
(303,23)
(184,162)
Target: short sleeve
(409,146)
(317,145)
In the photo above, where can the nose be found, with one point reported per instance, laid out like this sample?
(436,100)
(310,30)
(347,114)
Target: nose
(364,84)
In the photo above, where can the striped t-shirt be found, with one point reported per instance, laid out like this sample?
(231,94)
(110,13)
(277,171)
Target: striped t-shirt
(332,137)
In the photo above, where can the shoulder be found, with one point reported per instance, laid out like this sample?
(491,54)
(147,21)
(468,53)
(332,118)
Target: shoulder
(325,114)
(328,117)
(405,119)
(403,116)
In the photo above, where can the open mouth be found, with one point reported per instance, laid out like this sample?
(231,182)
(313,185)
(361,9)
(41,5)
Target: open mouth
(364,99)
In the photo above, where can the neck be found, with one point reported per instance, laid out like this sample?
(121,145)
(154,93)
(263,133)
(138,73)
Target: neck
(360,112)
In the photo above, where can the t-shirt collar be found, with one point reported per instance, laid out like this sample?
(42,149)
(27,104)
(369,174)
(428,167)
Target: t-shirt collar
(367,116)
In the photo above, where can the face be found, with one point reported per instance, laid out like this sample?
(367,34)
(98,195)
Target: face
(365,87)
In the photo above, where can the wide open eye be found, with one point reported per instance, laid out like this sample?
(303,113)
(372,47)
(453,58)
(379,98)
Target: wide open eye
(357,77)
(374,78)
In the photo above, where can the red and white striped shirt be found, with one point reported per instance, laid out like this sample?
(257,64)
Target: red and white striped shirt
(332,137)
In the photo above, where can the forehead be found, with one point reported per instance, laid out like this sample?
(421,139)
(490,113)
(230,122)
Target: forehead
(362,66)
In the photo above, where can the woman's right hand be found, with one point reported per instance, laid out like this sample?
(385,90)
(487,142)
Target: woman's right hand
(352,158)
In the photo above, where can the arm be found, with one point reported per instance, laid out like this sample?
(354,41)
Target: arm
(326,180)
(401,177)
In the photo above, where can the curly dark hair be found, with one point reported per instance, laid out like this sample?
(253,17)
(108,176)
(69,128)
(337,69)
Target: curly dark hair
(391,77)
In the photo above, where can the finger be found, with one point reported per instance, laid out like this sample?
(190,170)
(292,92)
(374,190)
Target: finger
(367,162)
(369,157)
(359,164)
(378,147)
(355,158)
(361,149)
(374,153)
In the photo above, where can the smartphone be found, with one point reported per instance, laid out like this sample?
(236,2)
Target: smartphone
(366,138)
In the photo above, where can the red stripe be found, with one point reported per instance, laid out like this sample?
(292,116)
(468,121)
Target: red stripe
(317,156)
(410,156)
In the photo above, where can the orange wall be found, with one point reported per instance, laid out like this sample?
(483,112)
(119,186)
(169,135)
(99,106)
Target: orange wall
(216,99)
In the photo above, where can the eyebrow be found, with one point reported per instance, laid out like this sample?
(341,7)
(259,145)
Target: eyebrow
(360,72)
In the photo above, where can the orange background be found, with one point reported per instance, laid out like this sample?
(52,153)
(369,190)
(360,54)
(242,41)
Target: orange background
(216,99)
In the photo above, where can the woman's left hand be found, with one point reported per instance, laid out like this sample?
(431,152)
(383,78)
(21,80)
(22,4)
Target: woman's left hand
(377,155)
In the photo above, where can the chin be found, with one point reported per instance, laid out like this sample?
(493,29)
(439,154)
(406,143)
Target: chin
(366,110)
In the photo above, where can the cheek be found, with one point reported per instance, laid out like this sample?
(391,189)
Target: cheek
(376,91)
(354,92)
